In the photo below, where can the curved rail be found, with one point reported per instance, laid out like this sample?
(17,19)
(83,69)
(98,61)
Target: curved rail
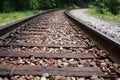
(105,41)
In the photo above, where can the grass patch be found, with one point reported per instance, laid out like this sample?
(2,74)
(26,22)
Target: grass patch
(107,15)
(6,17)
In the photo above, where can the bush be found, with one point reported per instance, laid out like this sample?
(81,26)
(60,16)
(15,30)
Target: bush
(104,6)
(6,6)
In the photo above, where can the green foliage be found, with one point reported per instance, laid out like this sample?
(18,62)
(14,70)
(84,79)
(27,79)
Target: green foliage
(4,17)
(115,6)
(46,4)
(6,6)
(22,5)
(104,6)
(34,4)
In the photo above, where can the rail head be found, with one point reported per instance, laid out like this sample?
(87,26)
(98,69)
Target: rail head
(105,41)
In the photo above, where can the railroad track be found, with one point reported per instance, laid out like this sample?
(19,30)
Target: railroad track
(52,47)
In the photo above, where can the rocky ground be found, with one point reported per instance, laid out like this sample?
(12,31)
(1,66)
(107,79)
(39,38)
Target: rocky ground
(111,28)
(59,30)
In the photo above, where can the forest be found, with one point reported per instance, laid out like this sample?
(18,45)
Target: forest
(102,6)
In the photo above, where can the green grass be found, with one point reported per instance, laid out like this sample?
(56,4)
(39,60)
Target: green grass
(6,17)
(107,15)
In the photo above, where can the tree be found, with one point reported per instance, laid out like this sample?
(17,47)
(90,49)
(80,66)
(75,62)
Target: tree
(33,4)
(112,6)
(102,6)
(6,6)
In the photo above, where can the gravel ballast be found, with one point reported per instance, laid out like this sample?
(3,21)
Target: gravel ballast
(110,28)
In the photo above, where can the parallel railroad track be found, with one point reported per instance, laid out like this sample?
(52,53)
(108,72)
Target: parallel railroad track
(52,47)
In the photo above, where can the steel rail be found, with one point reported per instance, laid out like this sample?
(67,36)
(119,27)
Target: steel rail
(105,42)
